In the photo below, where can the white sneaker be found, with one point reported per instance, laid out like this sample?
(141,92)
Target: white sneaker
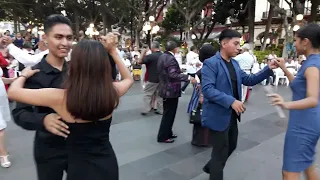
(5,163)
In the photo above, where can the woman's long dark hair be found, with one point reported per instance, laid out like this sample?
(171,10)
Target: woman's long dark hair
(206,52)
(90,94)
(311,32)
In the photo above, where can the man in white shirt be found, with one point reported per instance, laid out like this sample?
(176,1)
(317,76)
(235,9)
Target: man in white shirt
(193,65)
(27,59)
(246,61)
(135,52)
(23,56)
(178,57)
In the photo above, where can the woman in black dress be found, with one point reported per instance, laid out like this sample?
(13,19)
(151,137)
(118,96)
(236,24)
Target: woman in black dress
(86,105)
(200,134)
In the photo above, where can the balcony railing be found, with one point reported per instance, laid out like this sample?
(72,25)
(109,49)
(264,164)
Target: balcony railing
(275,14)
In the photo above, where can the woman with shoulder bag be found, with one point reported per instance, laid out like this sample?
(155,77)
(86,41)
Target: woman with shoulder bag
(200,136)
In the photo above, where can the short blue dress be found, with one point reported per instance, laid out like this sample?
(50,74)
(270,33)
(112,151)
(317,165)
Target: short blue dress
(304,125)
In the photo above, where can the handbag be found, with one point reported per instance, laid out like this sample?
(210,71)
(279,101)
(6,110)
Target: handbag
(195,115)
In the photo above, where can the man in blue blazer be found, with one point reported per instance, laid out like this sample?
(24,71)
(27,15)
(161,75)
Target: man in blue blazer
(221,87)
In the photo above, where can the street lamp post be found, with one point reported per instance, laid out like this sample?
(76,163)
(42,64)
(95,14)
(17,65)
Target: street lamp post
(91,31)
(150,27)
(300,22)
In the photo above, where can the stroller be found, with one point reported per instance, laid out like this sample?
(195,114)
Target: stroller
(136,72)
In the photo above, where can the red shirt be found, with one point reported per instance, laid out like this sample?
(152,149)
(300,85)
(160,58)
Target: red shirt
(146,75)
(3,64)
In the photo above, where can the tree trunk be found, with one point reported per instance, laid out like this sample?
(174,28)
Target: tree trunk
(137,39)
(181,34)
(287,35)
(109,27)
(314,9)
(266,33)
(148,34)
(77,22)
(189,33)
(251,18)
(105,25)
(16,24)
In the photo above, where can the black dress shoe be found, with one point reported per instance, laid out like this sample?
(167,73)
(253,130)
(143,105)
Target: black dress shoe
(206,169)
(173,136)
(157,112)
(167,141)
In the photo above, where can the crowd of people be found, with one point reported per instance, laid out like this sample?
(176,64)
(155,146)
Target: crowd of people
(72,122)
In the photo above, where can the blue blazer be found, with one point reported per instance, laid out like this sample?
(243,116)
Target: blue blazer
(217,90)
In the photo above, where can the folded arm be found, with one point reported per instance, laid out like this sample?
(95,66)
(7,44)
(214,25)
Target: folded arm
(208,84)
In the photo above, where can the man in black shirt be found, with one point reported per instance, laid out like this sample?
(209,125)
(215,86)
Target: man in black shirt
(151,88)
(49,144)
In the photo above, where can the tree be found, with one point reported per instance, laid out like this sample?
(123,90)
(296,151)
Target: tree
(140,12)
(214,13)
(296,7)
(314,9)
(173,21)
(189,10)
(266,32)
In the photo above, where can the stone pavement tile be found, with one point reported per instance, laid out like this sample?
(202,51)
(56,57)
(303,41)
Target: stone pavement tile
(202,176)
(258,104)
(154,162)
(260,129)
(189,167)
(245,144)
(127,115)
(185,150)
(13,173)
(261,162)
(165,174)
(128,172)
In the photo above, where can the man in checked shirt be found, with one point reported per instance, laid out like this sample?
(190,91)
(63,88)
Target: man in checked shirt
(246,61)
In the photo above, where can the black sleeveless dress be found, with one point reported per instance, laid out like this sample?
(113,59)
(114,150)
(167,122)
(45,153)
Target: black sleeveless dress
(90,154)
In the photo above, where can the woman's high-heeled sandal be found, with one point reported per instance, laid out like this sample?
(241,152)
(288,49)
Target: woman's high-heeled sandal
(5,163)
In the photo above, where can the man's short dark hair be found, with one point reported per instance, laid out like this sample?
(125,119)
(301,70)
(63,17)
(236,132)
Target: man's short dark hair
(155,44)
(55,19)
(229,34)
(193,48)
(171,45)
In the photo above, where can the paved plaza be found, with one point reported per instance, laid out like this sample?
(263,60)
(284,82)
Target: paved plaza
(140,157)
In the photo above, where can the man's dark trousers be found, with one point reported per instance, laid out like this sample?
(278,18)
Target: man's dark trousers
(223,144)
(170,106)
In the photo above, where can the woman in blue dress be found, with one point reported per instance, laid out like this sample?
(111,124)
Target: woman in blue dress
(304,118)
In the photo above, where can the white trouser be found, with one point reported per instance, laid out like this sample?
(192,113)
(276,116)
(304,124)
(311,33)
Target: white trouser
(244,88)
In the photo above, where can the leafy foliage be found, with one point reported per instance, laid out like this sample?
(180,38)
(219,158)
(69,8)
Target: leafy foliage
(262,54)
(174,21)
(187,13)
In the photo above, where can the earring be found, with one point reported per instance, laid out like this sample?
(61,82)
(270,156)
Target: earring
(304,48)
